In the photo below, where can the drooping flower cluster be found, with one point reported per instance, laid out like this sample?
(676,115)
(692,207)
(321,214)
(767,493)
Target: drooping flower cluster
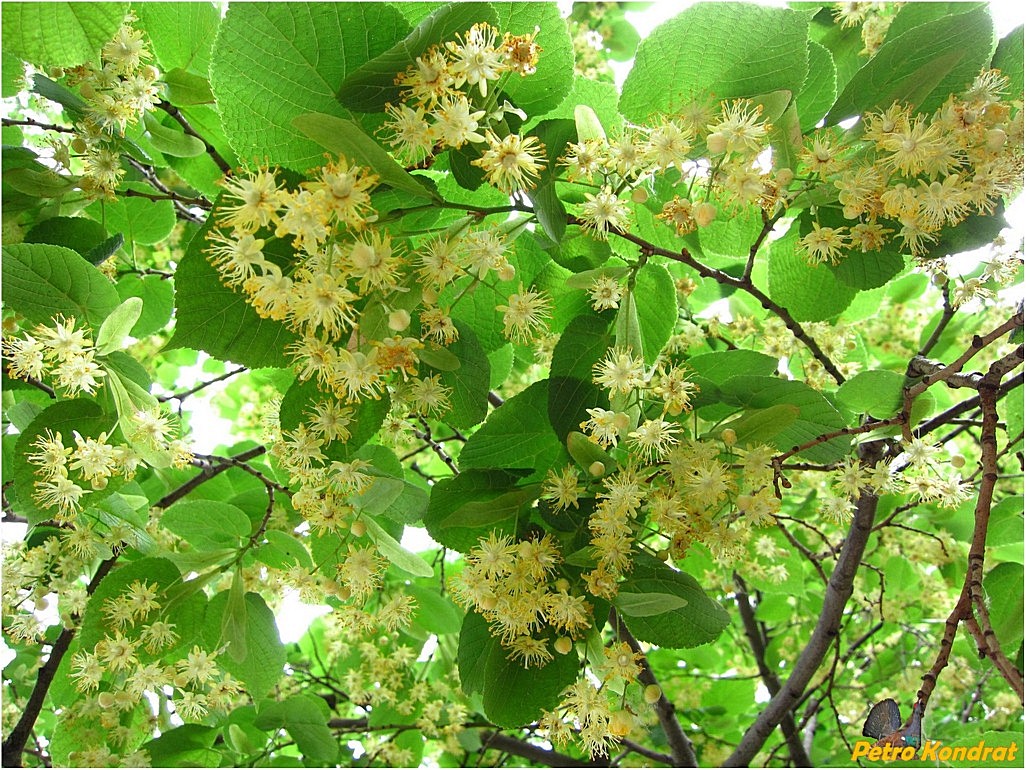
(59,351)
(911,175)
(512,585)
(116,94)
(446,104)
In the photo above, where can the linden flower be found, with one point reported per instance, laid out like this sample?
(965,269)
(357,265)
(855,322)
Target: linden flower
(455,123)
(429,79)
(475,58)
(198,667)
(126,50)
(429,396)
(513,162)
(51,455)
(346,191)
(320,300)
(520,52)
(26,355)
(259,196)
(654,437)
(237,256)
(911,149)
(374,262)
(562,489)
(360,571)
(530,651)
(306,218)
(603,212)
(739,129)
(668,145)
(59,492)
(604,426)
(619,371)
(823,244)
(680,213)
(605,293)
(63,340)
(408,132)
(524,317)
(437,325)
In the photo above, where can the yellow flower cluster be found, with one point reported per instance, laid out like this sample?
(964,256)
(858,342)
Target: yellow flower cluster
(116,93)
(917,173)
(60,349)
(440,110)
(511,585)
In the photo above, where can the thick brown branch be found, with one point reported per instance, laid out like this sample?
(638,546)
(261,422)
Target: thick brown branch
(838,591)
(682,751)
(208,473)
(757,642)
(519,748)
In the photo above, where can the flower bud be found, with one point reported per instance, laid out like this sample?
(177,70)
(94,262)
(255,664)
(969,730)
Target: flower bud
(996,139)
(639,195)
(87,91)
(784,177)
(705,213)
(652,693)
(56,73)
(398,320)
(489,603)
(507,272)
(78,144)
(562,584)
(957,461)
(429,295)
(563,645)
(716,143)
(621,723)
(359,529)
(729,436)
(180,681)
(621,421)
(105,699)
(597,469)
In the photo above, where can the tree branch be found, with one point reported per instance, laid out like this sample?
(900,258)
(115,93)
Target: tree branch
(681,750)
(14,745)
(838,591)
(186,393)
(177,115)
(519,748)
(757,642)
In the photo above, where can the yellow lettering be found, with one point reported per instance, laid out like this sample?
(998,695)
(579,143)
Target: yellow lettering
(908,753)
(1000,753)
(874,753)
(861,749)
(1011,751)
(975,752)
(929,752)
(958,752)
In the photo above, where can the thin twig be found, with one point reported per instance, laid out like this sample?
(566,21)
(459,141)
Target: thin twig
(186,393)
(177,115)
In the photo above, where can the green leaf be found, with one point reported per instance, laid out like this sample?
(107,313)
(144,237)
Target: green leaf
(262,666)
(817,415)
(184,746)
(297,406)
(140,220)
(60,34)
(78,233)
(435,612)
(370,87)
(820,87)
(758,426)
(721,365)
(472,652)
(922,66)
(210,316)
(808,292)
(643,605)
(786,138)
(117,326)
(346,138)
(535,688)
(182,37)
(395,553)
(516,435)
(282,550)
(185,89)
(273,62)
(469,383)
(716,59)
(42,281)
(234,620)
(588,124)
(543,90)
(656,300)
(876,392)
(1003,585)
(208,525)
(12,76)
(868,270)
(306,719)
(571,390)
(158,301)
(1008,58)
(481,514)
(474,488)
(172,140)
(697,621)
(102,251)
